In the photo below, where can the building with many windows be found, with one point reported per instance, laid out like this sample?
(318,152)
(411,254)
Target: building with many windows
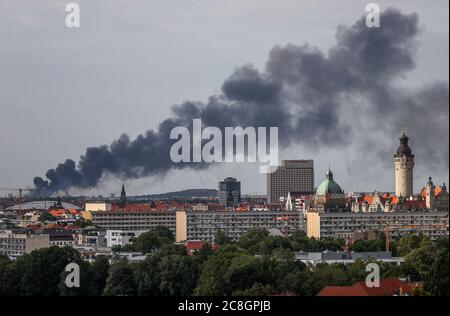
(229,192)
(133,219)
(343,224)
(295,176)
(204,226)
(16,244)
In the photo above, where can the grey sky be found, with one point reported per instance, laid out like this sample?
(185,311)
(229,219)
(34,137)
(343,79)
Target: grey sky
(62,90)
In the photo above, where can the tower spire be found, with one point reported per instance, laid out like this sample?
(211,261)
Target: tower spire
(123,196)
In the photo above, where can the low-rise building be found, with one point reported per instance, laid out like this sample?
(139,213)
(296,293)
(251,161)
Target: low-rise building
(91,238)
(121,237)
(331,257)
(59,237)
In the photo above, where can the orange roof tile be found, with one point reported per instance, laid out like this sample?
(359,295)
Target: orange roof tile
(388,287)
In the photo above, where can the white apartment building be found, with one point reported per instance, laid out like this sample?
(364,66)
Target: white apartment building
(344,224)
(192,225)
(16,244)
(121,237)
(134,220)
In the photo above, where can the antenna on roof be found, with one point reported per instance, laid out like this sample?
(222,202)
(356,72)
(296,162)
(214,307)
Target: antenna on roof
(404,130)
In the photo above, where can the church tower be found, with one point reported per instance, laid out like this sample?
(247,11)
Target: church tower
(404,166)
(430,198)
(123,197)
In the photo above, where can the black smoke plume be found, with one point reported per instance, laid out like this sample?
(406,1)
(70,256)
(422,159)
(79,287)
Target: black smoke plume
(304,92)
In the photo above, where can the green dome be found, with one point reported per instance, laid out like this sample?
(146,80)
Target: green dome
(329,186)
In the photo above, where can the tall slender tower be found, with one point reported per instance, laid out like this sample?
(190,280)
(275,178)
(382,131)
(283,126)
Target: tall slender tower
(404,165)
(123,196)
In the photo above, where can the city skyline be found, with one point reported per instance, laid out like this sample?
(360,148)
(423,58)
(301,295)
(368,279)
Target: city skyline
(361,163)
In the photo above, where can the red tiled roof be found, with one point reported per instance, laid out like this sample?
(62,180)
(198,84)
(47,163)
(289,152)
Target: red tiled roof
(131,207)
(437,191)
(196,245)
(388,287)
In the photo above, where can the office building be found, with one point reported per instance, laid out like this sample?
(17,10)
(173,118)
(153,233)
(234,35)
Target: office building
(295,176)
(229,192)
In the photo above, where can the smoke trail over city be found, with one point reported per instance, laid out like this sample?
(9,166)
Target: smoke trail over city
(303,91)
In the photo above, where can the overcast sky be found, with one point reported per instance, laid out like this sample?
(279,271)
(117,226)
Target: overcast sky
(62,90)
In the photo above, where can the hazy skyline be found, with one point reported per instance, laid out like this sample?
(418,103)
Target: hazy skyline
(62,90)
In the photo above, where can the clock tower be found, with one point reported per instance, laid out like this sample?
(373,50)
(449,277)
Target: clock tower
(404,166)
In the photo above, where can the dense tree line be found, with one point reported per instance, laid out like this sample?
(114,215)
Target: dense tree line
(257,264)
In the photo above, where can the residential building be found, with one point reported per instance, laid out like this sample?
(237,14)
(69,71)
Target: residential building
(133,219)
(97,206)
(343,224)
(91,238)
(121,237)
(59,236)
(14,244)
(435,197)
(292,176)
(192,225)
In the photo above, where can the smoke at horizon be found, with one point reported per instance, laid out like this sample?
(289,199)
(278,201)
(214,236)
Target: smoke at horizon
(308,94)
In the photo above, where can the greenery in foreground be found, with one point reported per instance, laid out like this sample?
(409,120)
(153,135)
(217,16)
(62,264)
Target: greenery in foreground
(258,264)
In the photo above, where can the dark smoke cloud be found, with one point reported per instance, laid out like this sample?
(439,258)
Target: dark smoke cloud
(304,92)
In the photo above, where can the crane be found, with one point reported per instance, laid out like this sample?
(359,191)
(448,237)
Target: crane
(392,227)
(20,190)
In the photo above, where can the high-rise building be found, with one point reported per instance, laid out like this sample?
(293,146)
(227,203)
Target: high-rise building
(292,176)
(404,166)
(229,192)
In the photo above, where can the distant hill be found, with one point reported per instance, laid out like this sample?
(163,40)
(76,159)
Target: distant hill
(185,194)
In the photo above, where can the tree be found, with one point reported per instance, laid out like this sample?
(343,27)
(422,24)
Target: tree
(38,273)
(86,282)
(410,242)
(167,272)
(256,289)
(46,217)
(153,239)
(99,273)
(178,275)
(274,242)
(252,239)
(121,280)
(83,223)
(437,282)
(418,262)
(221,238)
(212,282)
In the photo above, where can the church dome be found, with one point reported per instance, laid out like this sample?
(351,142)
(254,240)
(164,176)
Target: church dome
(329,186)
